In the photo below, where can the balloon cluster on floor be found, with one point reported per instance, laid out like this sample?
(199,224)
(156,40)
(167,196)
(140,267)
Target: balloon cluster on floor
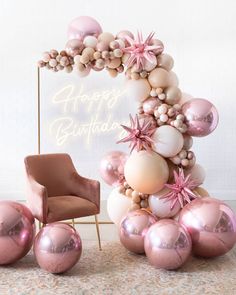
(57,246)
(157,202)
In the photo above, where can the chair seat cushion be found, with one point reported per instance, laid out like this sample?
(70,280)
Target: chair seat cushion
(68,207)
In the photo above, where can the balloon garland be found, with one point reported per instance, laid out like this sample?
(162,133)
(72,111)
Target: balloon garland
(157,202)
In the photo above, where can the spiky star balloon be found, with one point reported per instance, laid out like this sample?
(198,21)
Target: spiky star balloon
(140,50)
(181,189)
(139,134)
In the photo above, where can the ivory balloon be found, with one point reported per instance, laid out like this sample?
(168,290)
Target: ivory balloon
(159,78)
(138,90)
(197,173)
(160,207)
(146,172)
(173,95)
(118,206)
(165,61)
(212,226)
(168,141)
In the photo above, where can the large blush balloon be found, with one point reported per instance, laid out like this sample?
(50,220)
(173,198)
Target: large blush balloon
(83,26)
(17,230)
(146,172)
(201,117)
(160,207)
(168,141)
(159,78)
(167,244)
(57,247)
(138,90)
(112,167)
(133,228)
(118,206)
(212,226)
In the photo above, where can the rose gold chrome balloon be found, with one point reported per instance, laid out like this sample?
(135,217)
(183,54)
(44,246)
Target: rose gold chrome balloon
(74,47)
(167,244)
(201,117)
(112,167)
(133,229)
(17,230)
(57,247)
(212,226)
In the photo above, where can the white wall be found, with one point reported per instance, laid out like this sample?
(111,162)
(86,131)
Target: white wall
(200,35)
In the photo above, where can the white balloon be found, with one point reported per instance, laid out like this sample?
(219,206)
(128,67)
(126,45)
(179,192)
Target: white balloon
(162,208)
(168,141)
(117,206)
(198,173)
(138,90)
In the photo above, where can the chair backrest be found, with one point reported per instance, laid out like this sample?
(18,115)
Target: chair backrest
(52,171)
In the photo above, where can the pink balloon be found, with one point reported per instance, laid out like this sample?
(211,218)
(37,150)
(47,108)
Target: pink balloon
(167,244)
(57,247)
(17,230)
(150,104)
(212,226)
(133,228)
(201,117)
(74,47)
(112,167)
(83,26)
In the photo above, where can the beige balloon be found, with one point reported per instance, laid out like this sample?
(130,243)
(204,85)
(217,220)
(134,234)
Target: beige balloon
(173,95)
(173,79)
(168,141)
(198,173)
(117,206)
(138,90)
(159,78)
(146,172)
(165,61)
(201,191)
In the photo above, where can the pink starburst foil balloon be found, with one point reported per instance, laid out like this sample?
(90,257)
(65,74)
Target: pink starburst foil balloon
(140,50)
(181,189)
(139,134)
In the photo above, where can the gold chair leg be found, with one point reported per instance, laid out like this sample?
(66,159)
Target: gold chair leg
(73,222)
(98,232)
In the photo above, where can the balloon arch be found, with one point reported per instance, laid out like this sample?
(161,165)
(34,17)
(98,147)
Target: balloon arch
(160,179)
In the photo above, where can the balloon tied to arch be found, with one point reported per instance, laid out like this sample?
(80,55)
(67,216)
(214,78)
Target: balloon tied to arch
(159,182)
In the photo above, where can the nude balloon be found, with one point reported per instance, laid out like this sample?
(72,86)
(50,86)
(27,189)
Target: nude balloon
(138,90)
(165,61)
(173,95)
(159,78)
(197,173)
(168,141)
(146,172)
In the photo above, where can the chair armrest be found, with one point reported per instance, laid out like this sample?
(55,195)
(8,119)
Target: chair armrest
(85,188)
(37,199)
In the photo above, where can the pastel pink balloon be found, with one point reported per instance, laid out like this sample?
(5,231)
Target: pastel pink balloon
(150,104)
(212,226)
(133,229)
(57,247)
(167,244)
(83,26)
(17,231)
(201,117)
(112,167)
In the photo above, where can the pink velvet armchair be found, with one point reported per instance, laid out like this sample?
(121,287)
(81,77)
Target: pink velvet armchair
(56,192)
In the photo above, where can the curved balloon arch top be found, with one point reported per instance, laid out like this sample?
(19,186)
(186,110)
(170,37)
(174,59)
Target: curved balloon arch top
(160,134)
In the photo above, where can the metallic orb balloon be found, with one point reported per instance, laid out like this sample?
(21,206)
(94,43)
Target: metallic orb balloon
(57,247)
(17,231)
(167,244)
(112,167)
(83,26)
(133,229)
(201,117)
(74,47)
(212,226)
